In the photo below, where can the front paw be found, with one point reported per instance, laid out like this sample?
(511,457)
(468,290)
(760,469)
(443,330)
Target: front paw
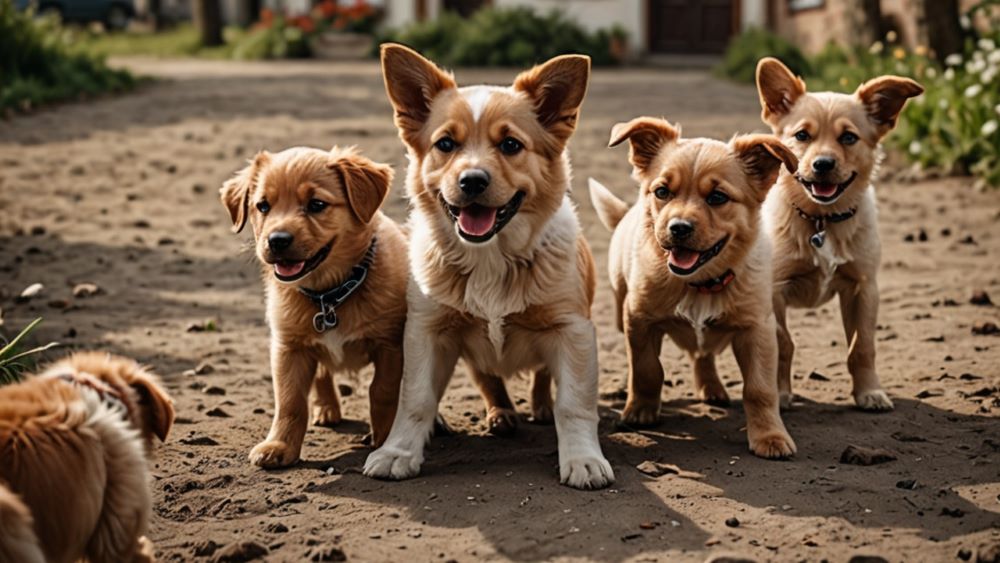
(638,413)
(325,415)
(273,453)
(501,422)
(773,445)
(714,395)
(389,462)
(875,400)
(588,472)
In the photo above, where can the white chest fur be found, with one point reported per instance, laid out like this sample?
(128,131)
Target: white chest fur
(699,311)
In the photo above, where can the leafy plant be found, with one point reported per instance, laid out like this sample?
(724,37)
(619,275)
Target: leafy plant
(740,59)
(14,361)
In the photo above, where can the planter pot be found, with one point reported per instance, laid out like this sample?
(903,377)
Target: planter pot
(341,46)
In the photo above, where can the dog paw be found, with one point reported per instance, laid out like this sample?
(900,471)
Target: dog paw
(641,414)
(542,414)
(145,552)
(325,415)
(714,395)
(773,445)
(874,400)
(590,472)
(392,463)
(501,422)
(273,453)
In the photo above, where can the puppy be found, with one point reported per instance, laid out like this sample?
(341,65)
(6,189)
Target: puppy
(689,260)
(822,216)
(502,276)
(335,282)
(74,442)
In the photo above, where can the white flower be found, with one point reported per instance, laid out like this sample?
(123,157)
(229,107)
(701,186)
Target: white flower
(891,37)
(986,44)
(964,21)
(973,91)
(997,109)
(975,67)
(943,103)
(876,48)
(949,74)
(994,57)
(989,128)
(915,147)
(931,72)
(988,75)
(953,59)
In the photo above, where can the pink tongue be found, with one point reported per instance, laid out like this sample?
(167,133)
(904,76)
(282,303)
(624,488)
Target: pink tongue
(288,270)
(683,258)
(824,190)
(477,220)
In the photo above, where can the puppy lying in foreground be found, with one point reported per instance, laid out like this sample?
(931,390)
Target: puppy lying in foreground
(689,260)
(74,441)
(335,281)
(822,216)
(503,277)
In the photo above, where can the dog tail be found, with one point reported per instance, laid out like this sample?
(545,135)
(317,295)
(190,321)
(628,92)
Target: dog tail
(18,541)
(610,209)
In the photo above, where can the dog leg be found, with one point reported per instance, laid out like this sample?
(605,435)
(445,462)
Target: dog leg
(859,309)
(501,416)
(17,540)
(326,404)
(786,350)
(293,371)
(706,381)
(541,397)
(645,375)
(756,352)
(383,393)
(573,362)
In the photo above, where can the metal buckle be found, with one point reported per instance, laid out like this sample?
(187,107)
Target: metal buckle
(327,318)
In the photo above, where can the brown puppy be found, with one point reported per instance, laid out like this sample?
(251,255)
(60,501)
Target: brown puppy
(74,441)
(822,216)
(689,260)
(335,280)
(502,275)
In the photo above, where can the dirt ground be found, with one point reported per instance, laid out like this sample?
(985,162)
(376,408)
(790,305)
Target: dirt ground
(122,192)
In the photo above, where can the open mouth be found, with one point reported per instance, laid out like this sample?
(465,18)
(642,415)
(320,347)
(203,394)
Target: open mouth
(685,261)
(825,192)
(478,223)
(291,270)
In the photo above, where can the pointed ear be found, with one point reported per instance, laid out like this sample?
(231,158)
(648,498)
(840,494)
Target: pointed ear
(157,407)
(412,82)
(762,157)
(365,181)
(778,88)
(884,97)
(557,88)
(235,192)
(646,137)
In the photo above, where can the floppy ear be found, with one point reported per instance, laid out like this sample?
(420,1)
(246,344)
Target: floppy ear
(365,181)
(557,88)
(412,82)
(778,88)
(646,137)
(235,192)
(762,157)
(884,97)
(156,405)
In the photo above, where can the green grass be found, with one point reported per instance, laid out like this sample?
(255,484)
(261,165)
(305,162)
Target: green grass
(14,360)
(179,41)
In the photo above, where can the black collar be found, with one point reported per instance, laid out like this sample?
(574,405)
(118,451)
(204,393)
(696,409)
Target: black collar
(820,222)
(329,300)
(714,285)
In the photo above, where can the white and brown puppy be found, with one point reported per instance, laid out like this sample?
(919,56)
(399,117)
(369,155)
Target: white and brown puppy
(502,276)
(335,278)
(74,443)
(822,217)
(690,260)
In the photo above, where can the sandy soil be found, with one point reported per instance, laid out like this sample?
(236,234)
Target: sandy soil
(122,192)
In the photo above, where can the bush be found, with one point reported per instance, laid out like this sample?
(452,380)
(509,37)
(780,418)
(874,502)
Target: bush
(739,62)
(507,37)
(37,65)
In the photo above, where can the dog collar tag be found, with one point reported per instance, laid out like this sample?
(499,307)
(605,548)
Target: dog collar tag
(325,319)
(818,239)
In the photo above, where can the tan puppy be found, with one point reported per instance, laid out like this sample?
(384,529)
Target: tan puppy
(74,441)
(689,260)
(502,275)
(335,281)
(822,216)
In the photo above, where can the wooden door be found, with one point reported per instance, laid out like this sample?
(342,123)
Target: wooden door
(691,26)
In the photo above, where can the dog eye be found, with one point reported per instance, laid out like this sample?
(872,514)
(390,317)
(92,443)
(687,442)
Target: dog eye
(263,206)
(802,136)
(510,146)
(315,206)
(662,192)
(715,197)
(848,138)
(446,144)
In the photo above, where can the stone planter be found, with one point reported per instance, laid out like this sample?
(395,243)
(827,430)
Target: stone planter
(341,46)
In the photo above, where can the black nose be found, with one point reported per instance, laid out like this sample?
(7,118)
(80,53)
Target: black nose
(824,164)
(279,240)
(474,181)
(680,229)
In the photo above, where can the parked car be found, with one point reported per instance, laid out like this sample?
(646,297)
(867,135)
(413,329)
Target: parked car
(114,13)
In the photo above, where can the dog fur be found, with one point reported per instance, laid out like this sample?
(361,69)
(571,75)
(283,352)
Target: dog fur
(370,327)
(654,295)
(848,129)
(74,443)
(519,301)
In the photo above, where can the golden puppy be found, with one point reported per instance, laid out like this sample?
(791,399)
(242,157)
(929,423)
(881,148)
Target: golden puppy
(74,441)
(689,260)
(335,282)
(822,216)
(502,276)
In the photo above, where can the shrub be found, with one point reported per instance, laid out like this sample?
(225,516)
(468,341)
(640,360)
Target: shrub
(739,62)
(38,66)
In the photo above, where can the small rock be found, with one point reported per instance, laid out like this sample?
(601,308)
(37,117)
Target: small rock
(657,469)
(29,292)
(980,297)
(922,235)
(239,552)
(38,230)
(964,554)
(953,512)
(865,558)
(82,290)
(732,522)
(903,437)
(205,548)
(908,484)
(968,239)
(647,526)
(970,377)
(730,558)
(817,376)
(926,393)
(908,238)
(59,303)
(198,188)
(946,232)
(985,329)
(276,528)
(217,412)
(629,537)
(199,441)
(204,368)
(215,390)
(857,455)
(328,553)
(142,224)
